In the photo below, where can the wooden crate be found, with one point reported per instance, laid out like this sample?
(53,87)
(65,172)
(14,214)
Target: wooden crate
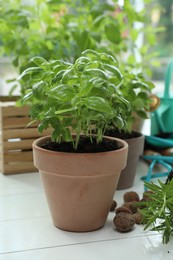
(16,139)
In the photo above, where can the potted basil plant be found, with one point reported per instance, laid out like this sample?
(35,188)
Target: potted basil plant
(79,170)
(137,90)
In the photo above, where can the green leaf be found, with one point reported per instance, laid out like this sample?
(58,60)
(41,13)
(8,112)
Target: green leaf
(95,73)
(39,61)
(119,122)
(90,53)
(108,59)
(38,89)
(26,98)
(131,59)
(66,135)
(138,103)
(114,70)
(58,76)
(85,89)
(113,33)
(29,71)
(114,80)
(55,122)
(21,21)
(156,213)
(63,92)
(35,111)
(16,62)
(56,134)
(41,127)
(82,59)
(98,20)
(14,87)
(122,100)
(98,90)
(134,34)
(65,111)
(83,39)
(67,75)
(58,68)
(98,104)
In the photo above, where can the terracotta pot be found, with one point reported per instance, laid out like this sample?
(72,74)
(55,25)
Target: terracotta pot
(136,147)
(79,187)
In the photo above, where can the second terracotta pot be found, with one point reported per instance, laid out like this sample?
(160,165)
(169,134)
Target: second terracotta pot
(136,147)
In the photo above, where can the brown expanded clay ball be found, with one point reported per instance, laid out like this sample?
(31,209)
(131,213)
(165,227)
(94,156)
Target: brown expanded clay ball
(124,222)
(123,209)
(145,195)
(131,196)
(138,217)
(113,206)
(145,198)
(131,206)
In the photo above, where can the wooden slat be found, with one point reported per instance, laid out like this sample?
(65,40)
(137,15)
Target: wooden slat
(19,168)
(18,156)
(9,98)
(9,109)
(16,122)
(20,133)
(23,133)
(18,144)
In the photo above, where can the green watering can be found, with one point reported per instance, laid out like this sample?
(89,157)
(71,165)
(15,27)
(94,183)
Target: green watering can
(162,117)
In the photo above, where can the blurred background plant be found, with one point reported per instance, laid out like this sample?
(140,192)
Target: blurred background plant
(162,17)
(63,29)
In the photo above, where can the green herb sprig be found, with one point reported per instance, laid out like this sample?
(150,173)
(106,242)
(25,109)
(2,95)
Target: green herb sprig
(158,210)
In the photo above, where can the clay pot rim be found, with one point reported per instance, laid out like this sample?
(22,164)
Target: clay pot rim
(37,142)
(141,136)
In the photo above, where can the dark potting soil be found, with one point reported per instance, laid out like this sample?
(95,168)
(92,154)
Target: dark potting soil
(85,146)
(122,134)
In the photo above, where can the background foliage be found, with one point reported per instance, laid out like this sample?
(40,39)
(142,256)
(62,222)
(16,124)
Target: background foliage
(63,29)
(165,19)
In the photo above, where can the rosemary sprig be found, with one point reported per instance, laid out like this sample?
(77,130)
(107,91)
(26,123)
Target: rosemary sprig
(157,212)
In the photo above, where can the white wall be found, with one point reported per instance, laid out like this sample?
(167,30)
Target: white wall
(7,71)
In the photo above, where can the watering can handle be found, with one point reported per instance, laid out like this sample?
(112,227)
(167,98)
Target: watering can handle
(168,79)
